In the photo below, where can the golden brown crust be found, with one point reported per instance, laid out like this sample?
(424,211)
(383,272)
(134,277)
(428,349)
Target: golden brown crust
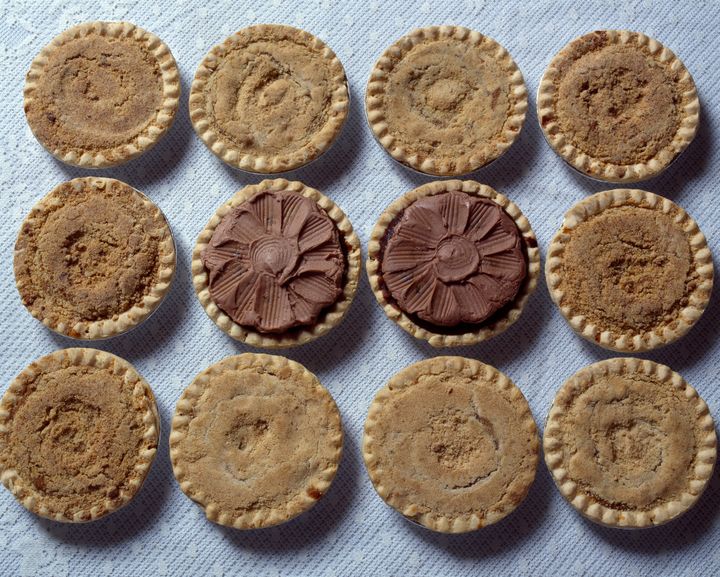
(256,440)
(90,459)
(659,293)
(298,119)
(648,93)
(94,258)
(451,444)
(329,319)
(484,332)
(110,138)
(479,86)
(629,443)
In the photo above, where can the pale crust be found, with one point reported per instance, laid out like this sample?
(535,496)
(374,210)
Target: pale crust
(412,500)
(293,376)
(457,164)
(321,140)
(603,170)
(663,333)
(329,319)
(148,137)
(588,504)
(18,390)
(486,331)
(127,320)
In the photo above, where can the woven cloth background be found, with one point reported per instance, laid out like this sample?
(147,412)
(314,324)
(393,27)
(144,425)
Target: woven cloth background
(351,532)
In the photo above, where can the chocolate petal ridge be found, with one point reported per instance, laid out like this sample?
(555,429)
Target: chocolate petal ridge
(403,255)
(267,208)
(455,211)
(316,231)
(483,217)
(295,211)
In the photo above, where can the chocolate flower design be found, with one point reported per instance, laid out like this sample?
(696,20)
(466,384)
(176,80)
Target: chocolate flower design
(453,258)
(275,262)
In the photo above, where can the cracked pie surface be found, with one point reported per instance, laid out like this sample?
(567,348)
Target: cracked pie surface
(101,93)
(79,431)
(270,98)
(451,444)
(629,270)
(94,258)
(618,105)
(629,443)
(256,440)
(445,100)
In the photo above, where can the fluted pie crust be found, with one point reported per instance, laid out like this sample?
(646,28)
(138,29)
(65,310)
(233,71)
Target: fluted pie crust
(495,79)
(136,441)
(587,162)
(328,319)
(238,150)
(89,155)
(483,331)
(451,444)
(685,311)
(577,452)
(256,440)
(53,309)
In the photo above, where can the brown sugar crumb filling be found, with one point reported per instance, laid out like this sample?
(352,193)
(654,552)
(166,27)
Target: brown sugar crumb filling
(454,445)
(89,253)
(629,441)
(272,95)
(616,103)
(96,92)
(628,270)
(447,98)
(258,439)
(76,437)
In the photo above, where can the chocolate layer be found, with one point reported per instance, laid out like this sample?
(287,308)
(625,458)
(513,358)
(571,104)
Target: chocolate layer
(275,262)
(453,261)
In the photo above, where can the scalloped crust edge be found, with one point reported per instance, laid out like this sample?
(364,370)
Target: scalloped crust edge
(235,157)
(184,413)
(457,166)
(484,332)
(407,377)
(702,260)
(128,320)
(605,171)
(334,314)
(589,507)
(81,357)
(164,119)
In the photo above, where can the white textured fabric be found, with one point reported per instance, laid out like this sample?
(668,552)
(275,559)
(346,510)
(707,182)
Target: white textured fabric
(351,531)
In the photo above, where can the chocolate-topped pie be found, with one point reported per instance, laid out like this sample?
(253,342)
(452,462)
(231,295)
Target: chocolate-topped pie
(453,262)
(277,265)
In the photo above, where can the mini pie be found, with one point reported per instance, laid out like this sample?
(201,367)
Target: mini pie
(629,270)
(78,432)
(277,265)
(451,444)
(453,262)
(101,93)
(94,258)
(269,99)
(445,100)
(629,443)
(617,105)
(256,440)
